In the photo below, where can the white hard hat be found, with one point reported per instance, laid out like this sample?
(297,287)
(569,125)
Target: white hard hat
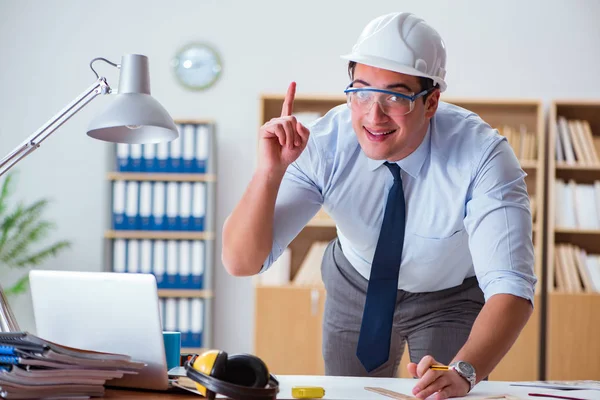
(402,42)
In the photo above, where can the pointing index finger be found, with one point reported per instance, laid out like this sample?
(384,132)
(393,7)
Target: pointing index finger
(288,102)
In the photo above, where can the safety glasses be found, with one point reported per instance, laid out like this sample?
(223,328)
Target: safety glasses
(392,103)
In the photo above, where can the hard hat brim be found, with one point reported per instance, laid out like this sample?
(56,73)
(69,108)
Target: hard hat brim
(382,63)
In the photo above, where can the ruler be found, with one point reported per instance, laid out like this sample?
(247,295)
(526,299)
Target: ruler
(398,395)
(390,393)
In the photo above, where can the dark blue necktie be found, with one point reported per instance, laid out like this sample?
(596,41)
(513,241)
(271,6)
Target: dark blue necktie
(376,329)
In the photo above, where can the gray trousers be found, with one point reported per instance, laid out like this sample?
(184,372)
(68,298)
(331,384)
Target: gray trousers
(432,323)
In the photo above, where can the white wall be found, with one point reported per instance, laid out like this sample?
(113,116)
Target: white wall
(536,49)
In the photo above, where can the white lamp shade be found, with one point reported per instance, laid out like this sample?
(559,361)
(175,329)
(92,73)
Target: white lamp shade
(134,118)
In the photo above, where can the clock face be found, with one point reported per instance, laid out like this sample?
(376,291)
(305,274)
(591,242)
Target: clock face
(197,66)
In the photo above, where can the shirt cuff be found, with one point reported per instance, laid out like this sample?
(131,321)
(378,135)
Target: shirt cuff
(508,282)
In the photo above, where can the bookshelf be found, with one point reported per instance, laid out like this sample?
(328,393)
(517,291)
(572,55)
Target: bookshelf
(573,240)
(162,199)
(274,302)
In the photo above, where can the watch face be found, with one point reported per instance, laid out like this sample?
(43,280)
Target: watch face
(197,66)
(466,368)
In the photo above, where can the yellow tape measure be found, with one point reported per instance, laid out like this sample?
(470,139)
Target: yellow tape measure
(307,392)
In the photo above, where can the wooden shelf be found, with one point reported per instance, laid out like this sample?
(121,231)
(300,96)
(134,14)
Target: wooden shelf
(142,176)
(159,235)
(571,323)
(566,167)
(588,239)
(193,350)
(205,294)
(576,231)
(579,173)
(191,121)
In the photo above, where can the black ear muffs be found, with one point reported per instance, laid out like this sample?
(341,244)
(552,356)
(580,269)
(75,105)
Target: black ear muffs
(239,376)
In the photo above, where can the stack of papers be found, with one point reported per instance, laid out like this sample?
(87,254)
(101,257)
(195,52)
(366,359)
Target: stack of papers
(31,367)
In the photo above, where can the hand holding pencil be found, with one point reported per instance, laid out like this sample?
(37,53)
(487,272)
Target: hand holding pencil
(436,379)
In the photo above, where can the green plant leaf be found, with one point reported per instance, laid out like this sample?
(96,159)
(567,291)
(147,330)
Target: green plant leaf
(41,256)
(21,228)
(8,224)
(21,241)
(19,287)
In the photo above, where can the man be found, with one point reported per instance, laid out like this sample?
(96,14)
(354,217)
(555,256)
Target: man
(434,243)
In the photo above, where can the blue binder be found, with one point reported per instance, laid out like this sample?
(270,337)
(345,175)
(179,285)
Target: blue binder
(118,204)
(198,206)
(158,220)
(175,156)
(188,151)
(122,152)
(173,217)
(203,142)
(132,203)
(135,157)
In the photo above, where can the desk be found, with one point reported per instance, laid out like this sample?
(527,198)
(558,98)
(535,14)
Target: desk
(125,394)
(349,388)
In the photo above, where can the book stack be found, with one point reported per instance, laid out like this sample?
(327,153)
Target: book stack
(31,367)
(575,143)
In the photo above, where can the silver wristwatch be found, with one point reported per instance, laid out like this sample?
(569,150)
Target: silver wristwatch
(465,370)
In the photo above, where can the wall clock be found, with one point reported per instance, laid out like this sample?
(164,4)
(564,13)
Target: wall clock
(197,66)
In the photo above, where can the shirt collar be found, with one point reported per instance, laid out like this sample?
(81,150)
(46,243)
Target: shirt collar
(414,161)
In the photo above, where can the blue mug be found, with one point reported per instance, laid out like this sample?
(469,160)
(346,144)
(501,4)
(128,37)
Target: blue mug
(172,342)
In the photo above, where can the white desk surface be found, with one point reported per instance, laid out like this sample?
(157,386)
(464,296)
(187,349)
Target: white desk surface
(352,388)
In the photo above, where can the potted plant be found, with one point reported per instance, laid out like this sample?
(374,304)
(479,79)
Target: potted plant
(22,227)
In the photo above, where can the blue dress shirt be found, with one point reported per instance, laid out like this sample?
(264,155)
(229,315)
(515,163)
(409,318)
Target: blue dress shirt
(467,206)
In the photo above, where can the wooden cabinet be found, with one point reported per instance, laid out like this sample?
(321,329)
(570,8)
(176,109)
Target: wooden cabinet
(573,241)
(289,321)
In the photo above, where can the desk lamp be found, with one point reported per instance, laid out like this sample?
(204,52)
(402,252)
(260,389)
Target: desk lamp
(134,117)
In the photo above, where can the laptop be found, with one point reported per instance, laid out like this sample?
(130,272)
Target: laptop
(104,311)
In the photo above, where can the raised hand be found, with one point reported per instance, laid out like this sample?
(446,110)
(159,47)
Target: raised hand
(282,139)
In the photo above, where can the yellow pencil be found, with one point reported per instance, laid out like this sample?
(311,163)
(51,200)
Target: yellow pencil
(438,367)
